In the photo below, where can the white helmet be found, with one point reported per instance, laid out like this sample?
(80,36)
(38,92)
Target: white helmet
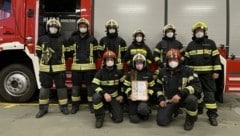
(53,22)
(82,21)
(111,23)
(169,27)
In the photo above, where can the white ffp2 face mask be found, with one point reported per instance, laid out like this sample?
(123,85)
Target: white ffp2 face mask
(173,64)
(111,31)
(139,38)
(199,34)
(110,63)
(53,30)
(170,34)
(83,29)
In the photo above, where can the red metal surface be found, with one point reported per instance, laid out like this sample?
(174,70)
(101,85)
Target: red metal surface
(12,31)
(86,11)
(233,75)
(30,24)
(223,52)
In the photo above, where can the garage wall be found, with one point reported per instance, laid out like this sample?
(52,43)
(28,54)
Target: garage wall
(184,13)
(234,36)
(131,14)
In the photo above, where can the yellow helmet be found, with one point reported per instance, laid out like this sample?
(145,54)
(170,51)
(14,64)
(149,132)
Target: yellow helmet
(82,21)
(53,22)
(201,25)
(138,31)
(169,26)
(111,23)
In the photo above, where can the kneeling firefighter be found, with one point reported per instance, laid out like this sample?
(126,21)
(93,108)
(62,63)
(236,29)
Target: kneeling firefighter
(178,87)
(107,85)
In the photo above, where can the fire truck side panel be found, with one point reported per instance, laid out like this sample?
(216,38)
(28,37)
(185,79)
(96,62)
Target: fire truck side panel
(233,76)
(17,77)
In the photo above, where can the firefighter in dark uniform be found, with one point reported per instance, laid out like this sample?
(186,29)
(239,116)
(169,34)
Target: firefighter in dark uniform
(168,42)
(50,51)
(138,46)
(107,85)
(177,86)
(139,109)
(202,55)
(85,51)
(114,42)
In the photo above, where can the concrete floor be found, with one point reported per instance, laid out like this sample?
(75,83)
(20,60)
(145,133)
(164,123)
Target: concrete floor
(19,120)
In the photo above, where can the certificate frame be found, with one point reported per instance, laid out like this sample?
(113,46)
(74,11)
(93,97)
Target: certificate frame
(139,91)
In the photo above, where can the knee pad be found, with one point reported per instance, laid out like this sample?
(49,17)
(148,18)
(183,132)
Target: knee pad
(143,109)
(191,102)
(163,121)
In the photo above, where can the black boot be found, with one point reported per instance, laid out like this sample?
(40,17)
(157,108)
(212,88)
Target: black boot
(90,105)
(75,107)
(43,109)
(189,122)
(212,117)
(64,109)
(213,121)
(99,122)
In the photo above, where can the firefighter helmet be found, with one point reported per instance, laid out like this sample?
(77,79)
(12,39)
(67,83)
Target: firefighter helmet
(111,23)
(109,54)
(173,54)
(139,58)
(138,31)
(169,27)
(82,21)
(200,24)
(53,22)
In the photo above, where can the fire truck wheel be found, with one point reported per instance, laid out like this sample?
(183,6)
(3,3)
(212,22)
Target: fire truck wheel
(17,83)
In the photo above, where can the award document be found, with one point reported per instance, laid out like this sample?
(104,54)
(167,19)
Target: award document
(139,90)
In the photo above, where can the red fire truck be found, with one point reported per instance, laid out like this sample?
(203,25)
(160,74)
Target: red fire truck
(23,21)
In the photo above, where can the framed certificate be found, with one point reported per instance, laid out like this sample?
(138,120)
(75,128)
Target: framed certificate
(139,90)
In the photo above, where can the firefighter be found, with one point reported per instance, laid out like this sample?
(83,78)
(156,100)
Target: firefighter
(85,50)
(168,41)
(178,86)
(107,85)
(113,42)
(202,55)
(138,46)
(50,51)
(139,107)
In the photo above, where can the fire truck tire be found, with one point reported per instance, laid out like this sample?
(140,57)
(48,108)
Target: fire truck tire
(17,83)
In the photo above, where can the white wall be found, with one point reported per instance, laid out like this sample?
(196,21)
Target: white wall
(131,14)
(234,28)
(184,13)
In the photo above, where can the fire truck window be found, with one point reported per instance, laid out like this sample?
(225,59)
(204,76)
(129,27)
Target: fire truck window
(59,5)
(5,9)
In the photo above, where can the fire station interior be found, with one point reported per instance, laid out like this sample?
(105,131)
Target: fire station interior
(68,13)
